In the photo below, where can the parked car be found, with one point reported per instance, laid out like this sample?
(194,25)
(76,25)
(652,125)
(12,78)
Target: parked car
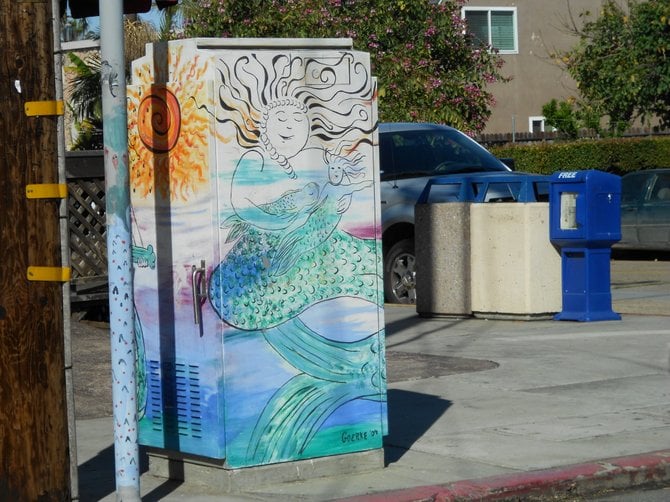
(410,154)
(645,210)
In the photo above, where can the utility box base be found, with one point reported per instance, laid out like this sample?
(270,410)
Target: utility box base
(214,474)
(442,249)
(515,270)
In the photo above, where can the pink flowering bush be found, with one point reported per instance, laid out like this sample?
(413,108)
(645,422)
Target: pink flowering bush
(426,66)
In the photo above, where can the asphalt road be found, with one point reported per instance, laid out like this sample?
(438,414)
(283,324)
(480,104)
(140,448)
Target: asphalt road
(651,495)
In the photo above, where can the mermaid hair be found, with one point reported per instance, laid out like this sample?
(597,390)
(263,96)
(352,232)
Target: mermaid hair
(351,166)
(249,88)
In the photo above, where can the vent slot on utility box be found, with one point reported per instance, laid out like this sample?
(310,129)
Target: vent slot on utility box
(174,398)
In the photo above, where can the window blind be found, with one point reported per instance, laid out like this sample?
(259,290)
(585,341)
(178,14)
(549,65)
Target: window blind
(478,24)
(502,30)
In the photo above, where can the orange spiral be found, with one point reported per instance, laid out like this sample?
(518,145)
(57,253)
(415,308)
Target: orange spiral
(159,120)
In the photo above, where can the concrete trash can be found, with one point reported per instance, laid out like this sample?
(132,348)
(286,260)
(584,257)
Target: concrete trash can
(515,270)
(482,247)
(442,247)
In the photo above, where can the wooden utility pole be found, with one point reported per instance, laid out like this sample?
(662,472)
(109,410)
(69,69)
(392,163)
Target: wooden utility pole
(34,455)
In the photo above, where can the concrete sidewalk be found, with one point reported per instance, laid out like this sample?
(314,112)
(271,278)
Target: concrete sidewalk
(487,409)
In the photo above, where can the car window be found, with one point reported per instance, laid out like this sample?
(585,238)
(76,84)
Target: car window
(632,188)
(511,191)
(426,152)
(661,190)
(499,192)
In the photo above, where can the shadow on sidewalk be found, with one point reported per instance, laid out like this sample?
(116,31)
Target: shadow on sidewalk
(97,478)
(410,415)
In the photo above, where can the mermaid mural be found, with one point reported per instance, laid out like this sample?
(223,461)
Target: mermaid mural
(255,168)
(300,268)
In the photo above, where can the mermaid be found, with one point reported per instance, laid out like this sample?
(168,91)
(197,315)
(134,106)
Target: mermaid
(288,250)
(273,124)
(333,200)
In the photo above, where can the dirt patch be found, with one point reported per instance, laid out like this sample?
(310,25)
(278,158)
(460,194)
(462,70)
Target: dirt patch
(91,369)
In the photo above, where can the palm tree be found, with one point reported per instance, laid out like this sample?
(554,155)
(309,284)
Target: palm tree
(85,99)
(85,102)
(171,18)
(75,29)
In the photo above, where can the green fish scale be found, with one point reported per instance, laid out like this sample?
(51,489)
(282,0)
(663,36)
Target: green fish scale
(246,295)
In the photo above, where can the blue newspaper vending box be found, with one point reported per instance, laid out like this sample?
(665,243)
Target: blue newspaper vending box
(584,222)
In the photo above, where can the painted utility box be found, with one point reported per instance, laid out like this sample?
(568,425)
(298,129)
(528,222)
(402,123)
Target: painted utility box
(256,232)
(585,220)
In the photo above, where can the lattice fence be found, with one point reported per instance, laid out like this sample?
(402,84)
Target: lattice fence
(86,222)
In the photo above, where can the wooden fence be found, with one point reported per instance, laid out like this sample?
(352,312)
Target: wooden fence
(494,139)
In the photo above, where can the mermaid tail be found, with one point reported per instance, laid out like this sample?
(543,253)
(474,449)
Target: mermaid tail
(140,367)
(293,416)
(267,279)
(360,362)
(333,373)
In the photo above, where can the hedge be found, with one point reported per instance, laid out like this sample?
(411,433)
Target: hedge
(618,156)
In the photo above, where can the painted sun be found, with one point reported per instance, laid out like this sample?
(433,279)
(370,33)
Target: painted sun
(169,131)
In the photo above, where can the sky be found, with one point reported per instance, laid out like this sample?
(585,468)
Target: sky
(153,16)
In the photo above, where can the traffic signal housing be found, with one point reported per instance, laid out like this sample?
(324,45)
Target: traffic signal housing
(164,4)
(90,8)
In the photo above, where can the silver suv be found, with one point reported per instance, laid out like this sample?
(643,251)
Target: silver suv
(410,154)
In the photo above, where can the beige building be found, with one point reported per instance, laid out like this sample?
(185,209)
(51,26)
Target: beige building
(528,34)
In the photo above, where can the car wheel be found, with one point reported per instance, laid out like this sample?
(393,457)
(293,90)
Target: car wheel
(399,273)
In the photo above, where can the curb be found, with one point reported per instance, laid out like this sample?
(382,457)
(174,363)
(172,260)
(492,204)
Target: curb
(580,479)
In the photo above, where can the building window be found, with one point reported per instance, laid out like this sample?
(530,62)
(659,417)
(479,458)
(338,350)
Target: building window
(493,26)
(536,124)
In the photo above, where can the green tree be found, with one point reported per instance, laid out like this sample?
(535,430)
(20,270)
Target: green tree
(569,117)
(561,116)
(651,29)
(620,62)
(427,65)
(169,27)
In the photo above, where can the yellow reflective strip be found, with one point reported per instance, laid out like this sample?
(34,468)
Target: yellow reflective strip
(51,274)
(46,191)
(41,108)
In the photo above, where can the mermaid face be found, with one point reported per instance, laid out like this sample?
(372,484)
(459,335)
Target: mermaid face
(335,173)
(287,129)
